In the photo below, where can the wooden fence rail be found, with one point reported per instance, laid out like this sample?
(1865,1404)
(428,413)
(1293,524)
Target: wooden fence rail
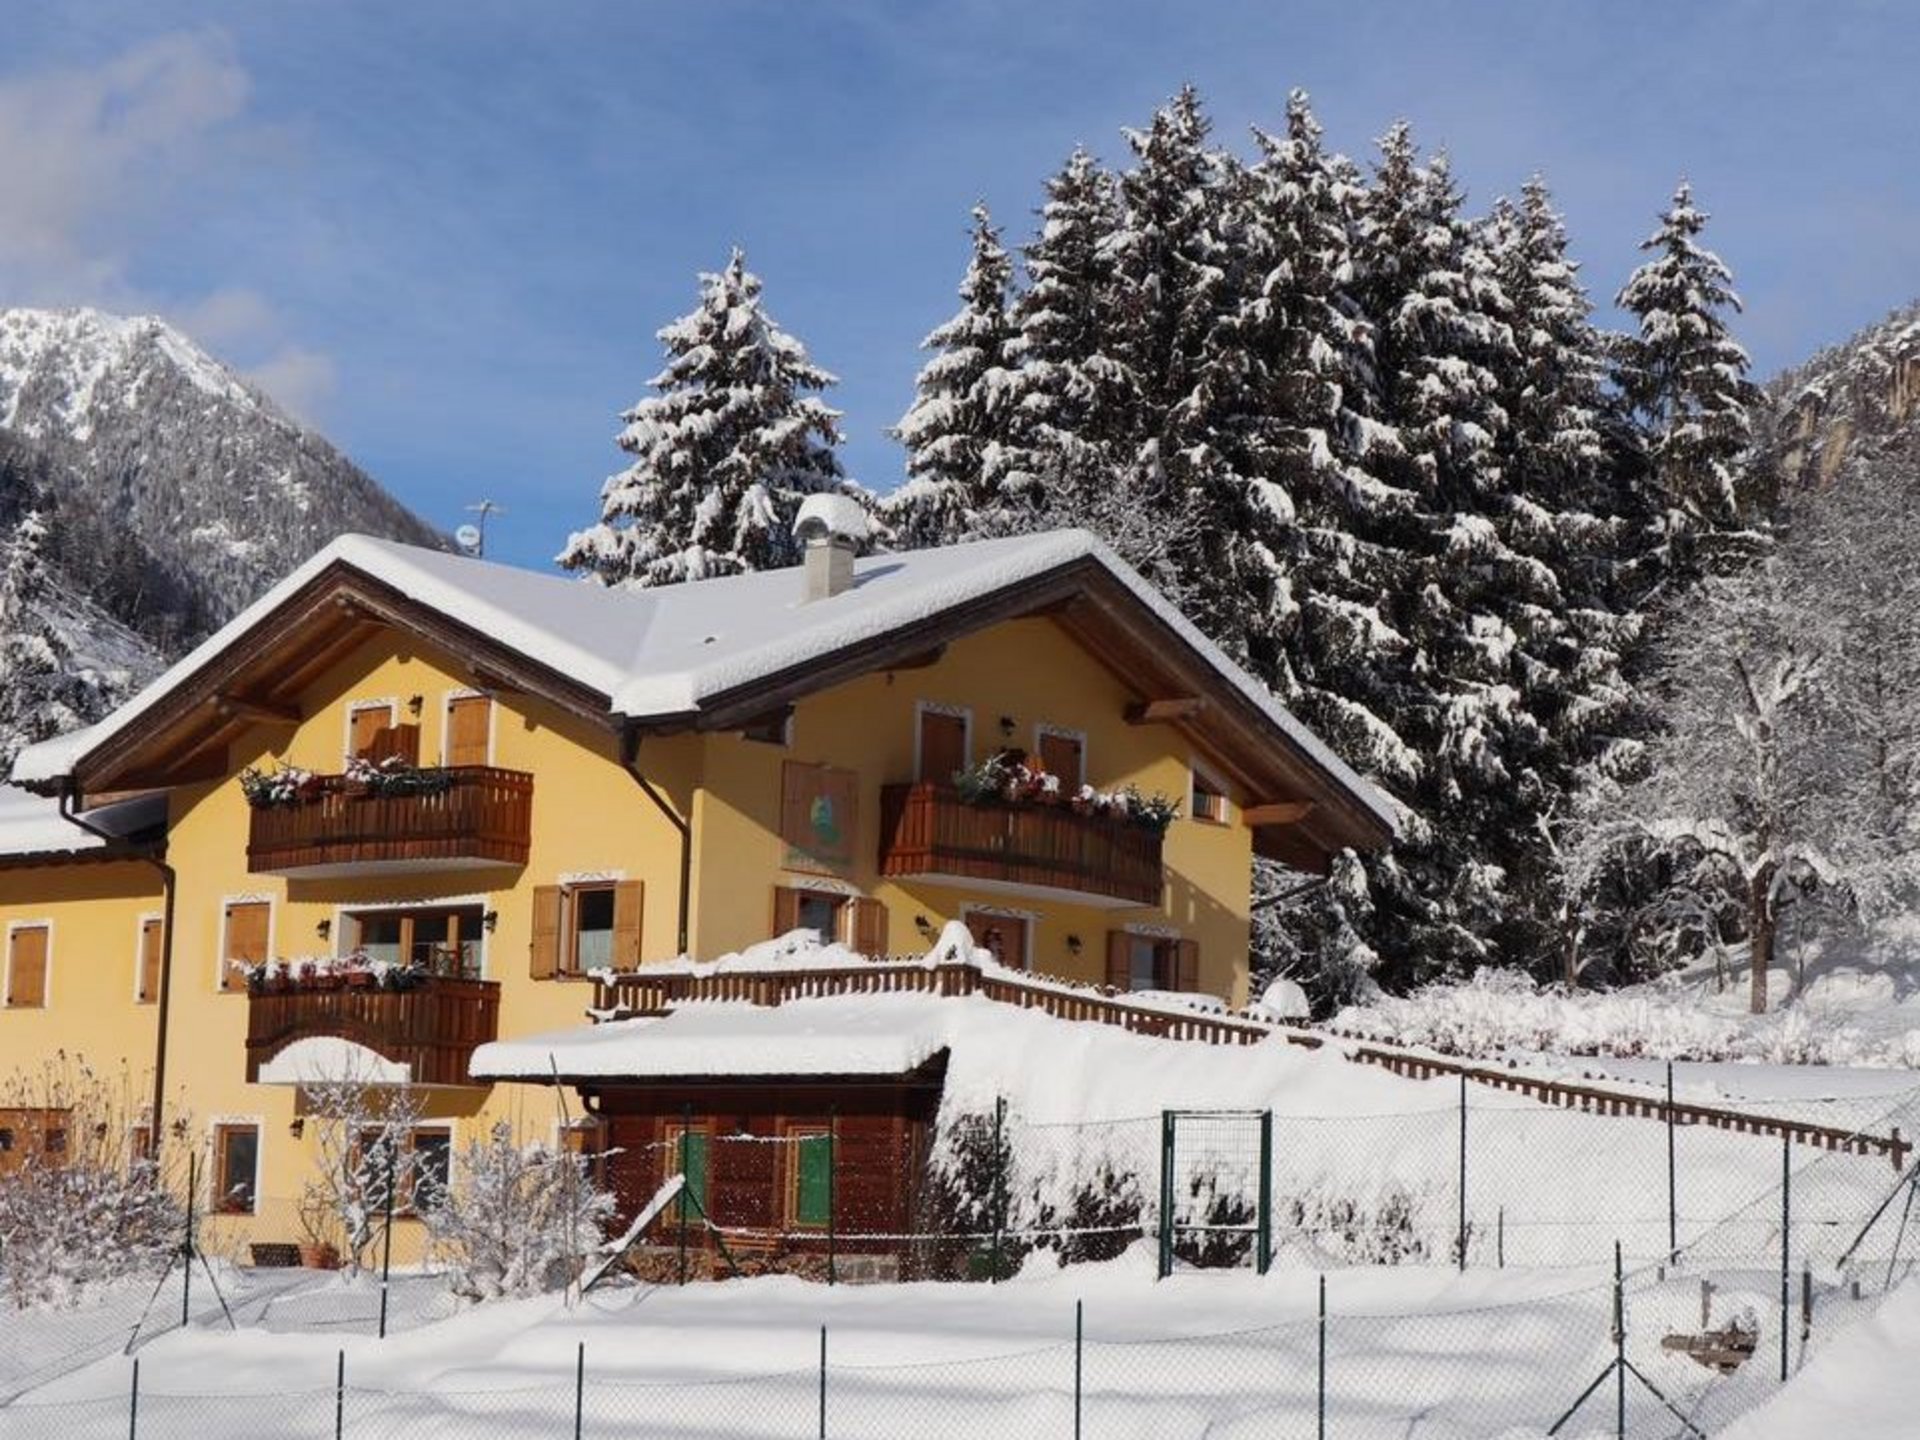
(645,992)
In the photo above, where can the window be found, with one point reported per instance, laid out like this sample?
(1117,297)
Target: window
(236,1168)
(440,941)
(1064,754)
(942,748)
(1209,803)
(28,947)
(586,925)
(246,928)
(147,974)
(688,1152)
(365,725)
(469,730)
(29,1134)
(431,1150)
(1151,962)
(810,1178)
(850,920)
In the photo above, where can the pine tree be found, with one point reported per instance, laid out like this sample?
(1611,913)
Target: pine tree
(723,454)
(1684,379)
(963,481)
(40,695)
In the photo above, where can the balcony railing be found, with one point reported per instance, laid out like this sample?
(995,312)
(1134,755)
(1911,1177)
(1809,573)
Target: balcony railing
(432,1027)
(484,817)
(928,830)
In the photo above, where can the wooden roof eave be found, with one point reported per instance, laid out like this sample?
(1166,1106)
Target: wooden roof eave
(183,736)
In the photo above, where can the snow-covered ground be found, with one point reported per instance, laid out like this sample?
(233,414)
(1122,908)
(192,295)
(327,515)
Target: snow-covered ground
(1409,1350)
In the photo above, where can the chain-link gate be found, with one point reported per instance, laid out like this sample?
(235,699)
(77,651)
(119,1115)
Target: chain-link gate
(1216,1188)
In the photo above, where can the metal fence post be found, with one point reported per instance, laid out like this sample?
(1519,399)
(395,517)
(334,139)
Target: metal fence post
(1500,1238)
(133,1404)
(1673,1180)
(1265,1256)
(823,1382)
(999,1197)
(1322,1384)
(1786,1230)
(1079,1363)
(833,1147)
(1166,1193)
(340,1398)
(1619,1345)
(686,1132)
(579,1390)
(1462,1242)
(386,1240)
(186,1242)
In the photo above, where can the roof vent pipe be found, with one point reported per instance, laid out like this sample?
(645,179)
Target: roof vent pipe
(832,528)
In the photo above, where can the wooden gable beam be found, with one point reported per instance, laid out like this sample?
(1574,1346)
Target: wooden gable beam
(1161,712)
(926,659)
(1278,812)
(244,707)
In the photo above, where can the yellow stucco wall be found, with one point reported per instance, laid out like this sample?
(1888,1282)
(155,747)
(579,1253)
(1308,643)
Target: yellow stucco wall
(590,817)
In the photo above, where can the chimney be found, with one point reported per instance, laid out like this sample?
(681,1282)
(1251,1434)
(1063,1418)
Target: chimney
(832,528)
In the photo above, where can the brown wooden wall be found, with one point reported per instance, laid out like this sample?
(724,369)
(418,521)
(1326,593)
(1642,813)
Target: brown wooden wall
(883,1129)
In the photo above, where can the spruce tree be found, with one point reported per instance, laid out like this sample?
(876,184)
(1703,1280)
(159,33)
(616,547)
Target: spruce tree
(723,454)
(40,696)
(1684,379)
(962,479)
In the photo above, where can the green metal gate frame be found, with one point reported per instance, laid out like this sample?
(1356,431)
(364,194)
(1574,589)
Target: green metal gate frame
(1263,1222)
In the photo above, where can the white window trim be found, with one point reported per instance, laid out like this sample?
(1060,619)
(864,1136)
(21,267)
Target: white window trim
(589,877)
(346,909)
(210,1201)
(940,707)
(389,703)
(140,923)
(1063,732)
(227,902)
(1031,930)
(46,978)
(446,721)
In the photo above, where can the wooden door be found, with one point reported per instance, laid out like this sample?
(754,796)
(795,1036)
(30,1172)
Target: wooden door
(1002,936)
(469,722)
(943,746)
(27,967)
(364,727)
(1063,756)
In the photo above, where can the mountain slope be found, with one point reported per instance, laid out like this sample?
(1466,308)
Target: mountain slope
(178,491)
(1848,400)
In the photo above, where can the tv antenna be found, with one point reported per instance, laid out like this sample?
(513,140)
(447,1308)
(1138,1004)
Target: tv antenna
(473,538)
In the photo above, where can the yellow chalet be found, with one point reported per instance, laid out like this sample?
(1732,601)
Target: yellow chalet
(495,782)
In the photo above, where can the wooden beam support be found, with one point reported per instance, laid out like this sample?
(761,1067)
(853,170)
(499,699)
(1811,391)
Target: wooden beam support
(493,682)
(242,707)
(1160,712)
(924,660)
(1278,812)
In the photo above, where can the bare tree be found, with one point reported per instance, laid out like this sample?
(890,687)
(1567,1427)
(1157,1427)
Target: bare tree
(362,1132)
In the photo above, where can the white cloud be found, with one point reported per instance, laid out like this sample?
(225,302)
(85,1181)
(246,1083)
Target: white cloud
(92,158)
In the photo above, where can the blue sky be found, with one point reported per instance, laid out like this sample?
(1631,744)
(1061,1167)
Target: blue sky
(447,232)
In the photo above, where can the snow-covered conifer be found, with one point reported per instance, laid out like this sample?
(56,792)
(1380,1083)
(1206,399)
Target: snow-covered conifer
(723,454)
(962,478)
(40,693)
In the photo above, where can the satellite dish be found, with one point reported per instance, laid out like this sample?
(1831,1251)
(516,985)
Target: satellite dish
(467,537)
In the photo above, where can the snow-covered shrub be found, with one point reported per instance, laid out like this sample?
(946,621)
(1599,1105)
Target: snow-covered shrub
(971,1191)
(1345,1230)
(1105,1215)
(81,1205)
(362,1134)
(519,1218)
(1218,1223)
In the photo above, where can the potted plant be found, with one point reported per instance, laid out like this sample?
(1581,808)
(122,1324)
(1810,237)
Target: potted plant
(317,1252)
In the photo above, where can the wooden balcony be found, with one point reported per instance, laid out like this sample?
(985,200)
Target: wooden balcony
(431,1029)
(929,832)
(483,818)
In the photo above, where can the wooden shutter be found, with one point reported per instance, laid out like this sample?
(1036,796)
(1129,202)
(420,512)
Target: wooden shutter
(943,746)
(469,720)
(1186,965)
(151,934)
(27,967)
(365,725)
(628,896)
(1119,959)
(1060,755)
(786,910)
(869,928)
(246,927)
(545,947)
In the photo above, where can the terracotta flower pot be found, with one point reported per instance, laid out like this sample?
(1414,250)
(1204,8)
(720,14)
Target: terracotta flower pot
(319,1257)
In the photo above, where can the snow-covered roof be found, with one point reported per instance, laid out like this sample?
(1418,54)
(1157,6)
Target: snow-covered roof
(843,1035)
(31,825)
(665,652)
